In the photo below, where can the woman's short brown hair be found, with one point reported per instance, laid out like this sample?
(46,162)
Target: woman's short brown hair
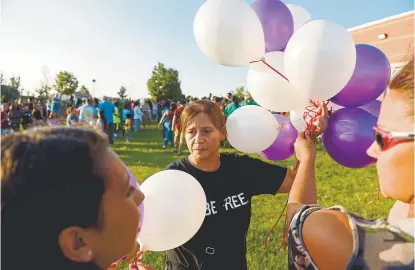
(404,82)
(211,109)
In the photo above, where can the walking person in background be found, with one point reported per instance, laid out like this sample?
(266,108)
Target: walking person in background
(37,115)
(127,127)
(15,116)
(48,107)
(146,110)
(138,116)
(167,121)
(177,125)
(56,105)
(108,109)
(117,118)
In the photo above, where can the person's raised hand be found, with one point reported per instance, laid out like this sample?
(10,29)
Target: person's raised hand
(321,122)
(304,147)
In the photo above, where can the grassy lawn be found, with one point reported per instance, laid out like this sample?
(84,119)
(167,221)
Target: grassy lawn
(355,189)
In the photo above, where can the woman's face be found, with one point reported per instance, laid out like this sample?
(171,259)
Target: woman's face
(395,165)
(119,217)
(203,138)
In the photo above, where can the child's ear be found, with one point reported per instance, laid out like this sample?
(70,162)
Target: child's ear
(74,246)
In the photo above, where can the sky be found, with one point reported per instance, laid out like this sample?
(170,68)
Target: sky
(117,42)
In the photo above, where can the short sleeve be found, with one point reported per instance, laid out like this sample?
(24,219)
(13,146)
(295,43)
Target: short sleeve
(262,177)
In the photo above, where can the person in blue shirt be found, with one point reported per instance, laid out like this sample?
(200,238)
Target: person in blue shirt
(108,108)
(56,105)
(87,112)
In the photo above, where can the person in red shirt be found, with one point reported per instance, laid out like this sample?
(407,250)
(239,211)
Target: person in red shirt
(177,126)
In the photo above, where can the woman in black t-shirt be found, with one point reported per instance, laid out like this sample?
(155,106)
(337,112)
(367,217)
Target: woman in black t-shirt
(229,181)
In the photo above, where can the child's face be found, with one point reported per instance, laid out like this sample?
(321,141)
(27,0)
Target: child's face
(118,218)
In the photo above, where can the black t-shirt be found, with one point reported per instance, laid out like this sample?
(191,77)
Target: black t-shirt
(221,241)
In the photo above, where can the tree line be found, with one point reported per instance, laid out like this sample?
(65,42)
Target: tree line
(163,84)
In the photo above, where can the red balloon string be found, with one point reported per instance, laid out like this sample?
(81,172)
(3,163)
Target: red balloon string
(137,257)
(275,225)
(272,68)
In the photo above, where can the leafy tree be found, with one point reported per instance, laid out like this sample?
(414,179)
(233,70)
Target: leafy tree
(164,83)
(239,92)
(15,82)
(11,90)
(122,93)
(84,90)
(44,90)
(66,83)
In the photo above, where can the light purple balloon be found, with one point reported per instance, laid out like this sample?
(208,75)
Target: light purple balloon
(283,146)
(277,22)
(133,181)
(370,78)
(372,107)
(348,136)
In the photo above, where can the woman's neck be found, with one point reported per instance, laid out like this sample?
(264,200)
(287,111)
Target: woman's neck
(207,165)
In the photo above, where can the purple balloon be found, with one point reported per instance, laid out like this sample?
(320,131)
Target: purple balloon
(372,107)
(369,80)
(277,22)
(133,181)
(283,146)
(349,135)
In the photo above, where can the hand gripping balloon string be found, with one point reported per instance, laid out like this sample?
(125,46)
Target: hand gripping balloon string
(272,68)
(312,115)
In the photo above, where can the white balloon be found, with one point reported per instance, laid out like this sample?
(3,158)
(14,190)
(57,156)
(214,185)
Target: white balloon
(229,32)
(174,210)
(251,129)
(269,89)
(297,119)
(320,59)
(300,15)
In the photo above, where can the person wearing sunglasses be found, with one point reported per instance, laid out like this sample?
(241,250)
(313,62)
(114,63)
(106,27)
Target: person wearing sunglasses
(333,238)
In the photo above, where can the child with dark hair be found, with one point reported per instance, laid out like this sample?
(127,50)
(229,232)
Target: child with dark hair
(84,218)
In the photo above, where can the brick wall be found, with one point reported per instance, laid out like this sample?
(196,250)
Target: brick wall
(400,36)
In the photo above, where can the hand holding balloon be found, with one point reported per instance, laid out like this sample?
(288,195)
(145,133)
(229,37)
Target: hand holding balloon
(320,123)
(304,147)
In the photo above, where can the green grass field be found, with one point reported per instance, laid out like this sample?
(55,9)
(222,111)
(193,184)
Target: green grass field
(354,189)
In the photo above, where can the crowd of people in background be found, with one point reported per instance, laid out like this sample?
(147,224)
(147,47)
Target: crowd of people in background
(117,118)
(109,115)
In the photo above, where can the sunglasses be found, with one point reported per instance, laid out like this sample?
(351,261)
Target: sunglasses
(386,139)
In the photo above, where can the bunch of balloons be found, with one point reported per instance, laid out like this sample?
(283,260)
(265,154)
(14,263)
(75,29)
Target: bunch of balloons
(292,59)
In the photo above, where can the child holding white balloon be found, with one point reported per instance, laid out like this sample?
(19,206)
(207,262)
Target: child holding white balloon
(58,218)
